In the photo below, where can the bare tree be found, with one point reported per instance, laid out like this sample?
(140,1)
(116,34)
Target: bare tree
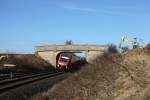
(112,48)
(68,42)
(124,49)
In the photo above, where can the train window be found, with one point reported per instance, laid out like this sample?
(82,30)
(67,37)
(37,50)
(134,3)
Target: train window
(65,54)
(63,60)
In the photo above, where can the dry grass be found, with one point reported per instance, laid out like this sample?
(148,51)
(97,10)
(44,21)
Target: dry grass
(27,63)
(111,77)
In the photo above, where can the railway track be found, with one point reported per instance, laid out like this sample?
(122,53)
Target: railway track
(7,76)
(7,85)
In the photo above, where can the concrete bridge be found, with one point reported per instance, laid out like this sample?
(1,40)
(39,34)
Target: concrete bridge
(50,52)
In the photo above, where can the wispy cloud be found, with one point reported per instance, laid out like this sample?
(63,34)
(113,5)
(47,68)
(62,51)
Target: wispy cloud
(110,10)
(80,9)
(83,9)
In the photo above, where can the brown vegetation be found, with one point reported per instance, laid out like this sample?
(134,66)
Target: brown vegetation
(26,63)
(111,77)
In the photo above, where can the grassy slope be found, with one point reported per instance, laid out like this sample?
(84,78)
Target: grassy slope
(26,63)
(111,77)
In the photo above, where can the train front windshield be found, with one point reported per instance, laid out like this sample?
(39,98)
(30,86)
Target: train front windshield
(63,60)
(65,54)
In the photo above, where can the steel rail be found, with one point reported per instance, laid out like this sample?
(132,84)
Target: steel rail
(12,84)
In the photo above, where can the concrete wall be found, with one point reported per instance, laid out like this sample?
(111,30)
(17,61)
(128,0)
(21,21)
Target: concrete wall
(72,48)
(49,56)
(92,55)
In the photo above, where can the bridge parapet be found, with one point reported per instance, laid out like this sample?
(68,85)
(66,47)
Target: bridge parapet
(72,48)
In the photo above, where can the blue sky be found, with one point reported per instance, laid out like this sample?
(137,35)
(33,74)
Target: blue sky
(28,23)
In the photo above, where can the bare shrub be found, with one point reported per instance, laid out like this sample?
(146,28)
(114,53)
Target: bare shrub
(68,42)
(112,48)
(124,49)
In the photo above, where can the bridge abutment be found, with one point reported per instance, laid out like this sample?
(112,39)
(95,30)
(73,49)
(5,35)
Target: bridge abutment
(92,55)
(49,56)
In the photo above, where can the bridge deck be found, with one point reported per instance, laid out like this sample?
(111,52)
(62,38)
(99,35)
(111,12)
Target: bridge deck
(71,48)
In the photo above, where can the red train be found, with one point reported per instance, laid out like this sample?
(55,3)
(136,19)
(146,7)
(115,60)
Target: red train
(65,60)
